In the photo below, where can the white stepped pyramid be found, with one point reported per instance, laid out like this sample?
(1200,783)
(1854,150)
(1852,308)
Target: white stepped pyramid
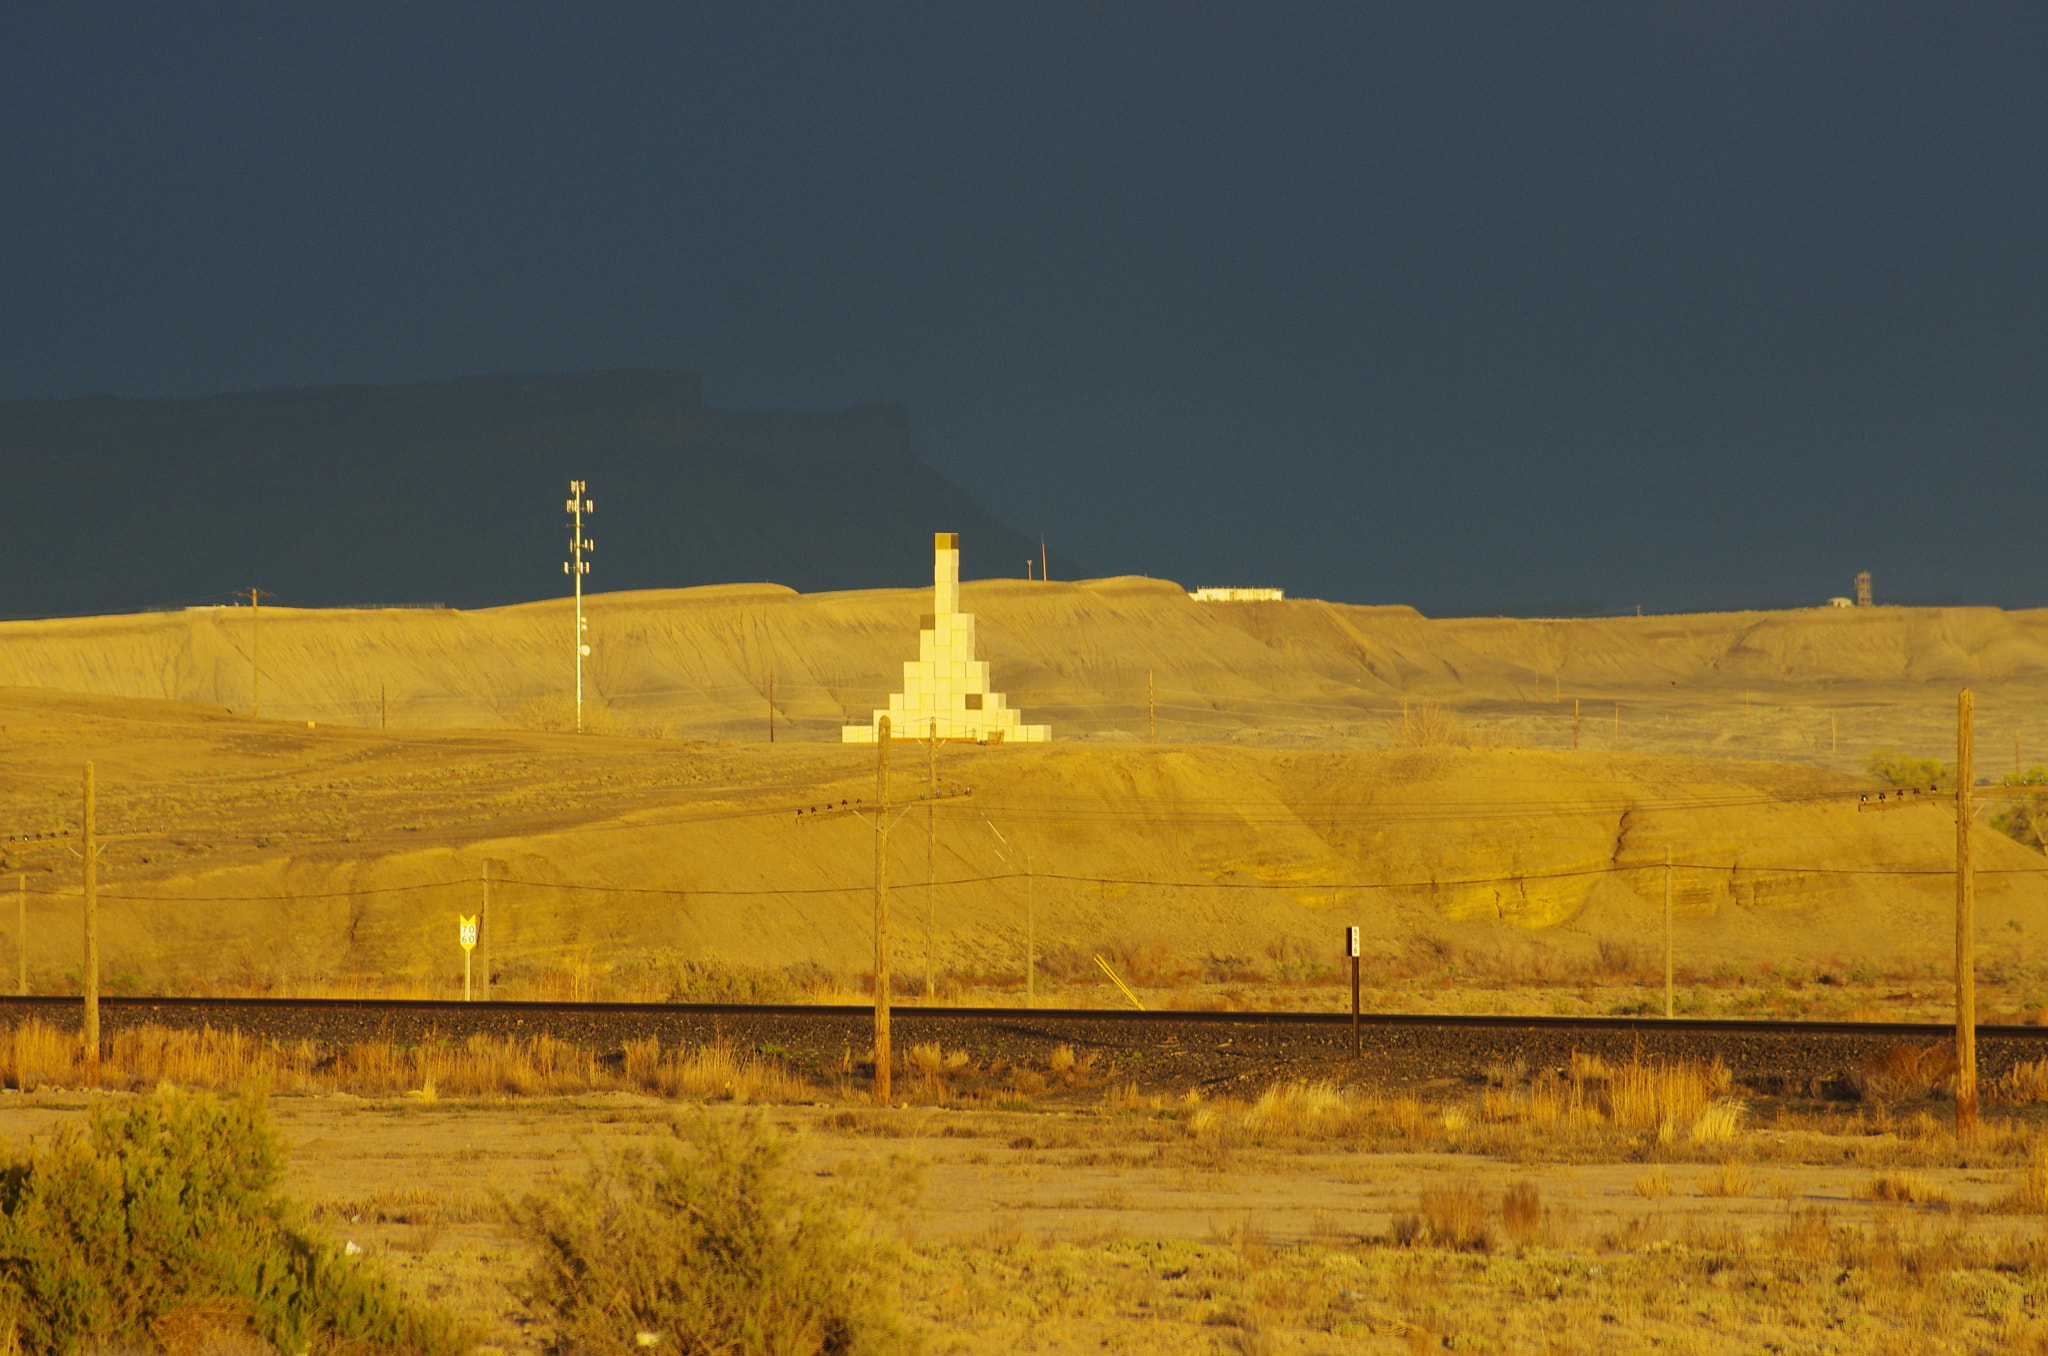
(946,686)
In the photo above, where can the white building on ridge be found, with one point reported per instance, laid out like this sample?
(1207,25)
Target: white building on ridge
(1216,595)
(946,686)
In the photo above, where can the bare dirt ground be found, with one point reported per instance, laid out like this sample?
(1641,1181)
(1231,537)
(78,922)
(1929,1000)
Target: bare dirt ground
(1132,1227)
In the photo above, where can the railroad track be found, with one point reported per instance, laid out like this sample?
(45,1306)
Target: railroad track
(1218,1049)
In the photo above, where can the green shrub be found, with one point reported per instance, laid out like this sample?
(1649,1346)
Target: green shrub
(1894,768)
(701,1246)
(2024,819)
(170,1208)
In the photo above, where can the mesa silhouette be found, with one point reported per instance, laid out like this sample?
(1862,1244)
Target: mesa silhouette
(451,492)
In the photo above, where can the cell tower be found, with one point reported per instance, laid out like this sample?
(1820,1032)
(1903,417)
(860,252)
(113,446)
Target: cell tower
(576,567)
(1863,588)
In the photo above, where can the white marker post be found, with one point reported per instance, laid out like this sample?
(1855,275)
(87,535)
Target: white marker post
(1351,949)
(467,925)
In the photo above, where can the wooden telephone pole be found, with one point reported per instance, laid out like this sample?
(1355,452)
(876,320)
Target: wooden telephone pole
(483,933)
(931,860)
(1966,922)
(255,642)
(882,911)
(89,981)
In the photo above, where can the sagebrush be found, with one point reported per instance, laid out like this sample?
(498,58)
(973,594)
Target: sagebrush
(701,1245)
(165,1217)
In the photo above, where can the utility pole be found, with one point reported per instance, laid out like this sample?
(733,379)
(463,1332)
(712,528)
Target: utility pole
(1575,722)
(21,934)
(1030,913)
(1668,1004)
(1151,710)
(483,934)
(882,912)
(1966,923)
(89,981)
(576,567)
(383,708)
(771,706)
(1030,935)
(1614,744)
(255,641)
(1042,574)
(882,820)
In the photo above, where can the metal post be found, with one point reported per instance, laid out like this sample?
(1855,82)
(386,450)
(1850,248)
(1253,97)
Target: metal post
(882,911)
(89,981)
(1668,1003)
(1966,924)
(1351,944)
(465,975)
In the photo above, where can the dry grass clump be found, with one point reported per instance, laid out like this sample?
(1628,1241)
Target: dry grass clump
(1907,1072)
(1303,1110)
(36,1055)
(1719,1121)
(1729,1179)
(1452,1217)
(2030,1197)
(2025,1083)
(1653,1184)
(1899,1187)
(1636,1096)
(1521,1212)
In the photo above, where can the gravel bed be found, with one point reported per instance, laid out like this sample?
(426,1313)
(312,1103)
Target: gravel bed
(1236,1052)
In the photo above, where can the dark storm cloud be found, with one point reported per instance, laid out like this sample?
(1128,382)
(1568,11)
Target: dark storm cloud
(1678,305)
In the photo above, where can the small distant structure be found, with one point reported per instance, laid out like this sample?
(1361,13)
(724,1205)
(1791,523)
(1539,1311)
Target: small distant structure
(1863,588)
(1214,595)
(1841,602)
(945,689)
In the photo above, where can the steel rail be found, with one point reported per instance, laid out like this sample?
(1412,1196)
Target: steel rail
(417,1007)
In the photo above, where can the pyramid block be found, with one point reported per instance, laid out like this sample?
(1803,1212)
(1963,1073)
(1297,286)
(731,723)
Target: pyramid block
(946,684)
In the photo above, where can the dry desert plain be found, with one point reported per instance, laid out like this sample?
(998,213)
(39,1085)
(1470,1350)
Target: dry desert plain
(1315,766)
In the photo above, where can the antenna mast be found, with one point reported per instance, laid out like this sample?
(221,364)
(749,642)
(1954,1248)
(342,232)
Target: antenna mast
(576,567)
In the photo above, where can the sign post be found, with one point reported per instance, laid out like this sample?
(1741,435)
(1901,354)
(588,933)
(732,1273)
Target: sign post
(1351,949)
(467,931)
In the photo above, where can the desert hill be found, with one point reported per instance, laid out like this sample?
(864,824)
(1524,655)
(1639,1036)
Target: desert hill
(288,854)
(452,492)
(1821,686)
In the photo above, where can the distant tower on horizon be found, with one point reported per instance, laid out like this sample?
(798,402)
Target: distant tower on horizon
(946,686)
(1863,588)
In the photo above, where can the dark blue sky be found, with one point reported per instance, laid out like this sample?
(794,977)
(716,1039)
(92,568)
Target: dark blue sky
(1691,306)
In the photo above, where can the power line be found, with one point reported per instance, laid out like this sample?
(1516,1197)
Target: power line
(1290,887)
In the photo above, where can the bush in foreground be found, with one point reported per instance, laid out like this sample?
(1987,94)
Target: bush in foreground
(701,1246)
(164,1218)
